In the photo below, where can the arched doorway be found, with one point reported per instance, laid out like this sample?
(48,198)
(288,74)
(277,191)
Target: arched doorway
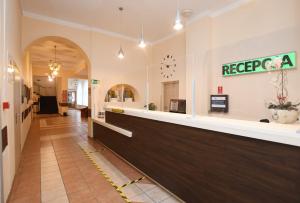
(74,62)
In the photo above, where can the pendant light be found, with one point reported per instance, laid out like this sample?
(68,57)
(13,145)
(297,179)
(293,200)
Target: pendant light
(142,43)
(50,78)
(121,54)
(54,67)
(178,23)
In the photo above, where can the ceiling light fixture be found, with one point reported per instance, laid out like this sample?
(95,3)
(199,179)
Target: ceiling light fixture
(50,79)
(121,54)
(10,68)
(54,67)
(178,23)
(142,43)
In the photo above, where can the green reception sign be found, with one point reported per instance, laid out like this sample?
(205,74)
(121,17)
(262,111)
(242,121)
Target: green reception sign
(258,65)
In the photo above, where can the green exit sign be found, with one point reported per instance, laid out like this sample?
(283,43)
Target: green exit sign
(94,82)
(258,65)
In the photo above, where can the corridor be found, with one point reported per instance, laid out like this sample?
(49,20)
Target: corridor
(61,164)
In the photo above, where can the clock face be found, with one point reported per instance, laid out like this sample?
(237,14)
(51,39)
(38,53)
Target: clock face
(168,66)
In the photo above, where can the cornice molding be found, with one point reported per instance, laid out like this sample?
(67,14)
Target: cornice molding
(76,25)
(228,8)
(208,13)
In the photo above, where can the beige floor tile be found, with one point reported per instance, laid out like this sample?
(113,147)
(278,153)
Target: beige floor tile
(141,198)
(171,200)
(62,199)
(145,187)
(132,191)
(53,194)
(157,194)
(57,171)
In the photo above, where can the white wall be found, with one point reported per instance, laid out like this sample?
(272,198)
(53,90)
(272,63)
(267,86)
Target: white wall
(110,70)
(257,29)
(174,46)
(198,43)
(101,50)
(45,91)
(2,62)
(260,28)
(11,45)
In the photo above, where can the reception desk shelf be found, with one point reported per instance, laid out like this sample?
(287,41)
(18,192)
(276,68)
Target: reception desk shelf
(122,131)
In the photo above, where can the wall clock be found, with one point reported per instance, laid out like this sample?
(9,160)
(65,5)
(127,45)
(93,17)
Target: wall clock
(168,66)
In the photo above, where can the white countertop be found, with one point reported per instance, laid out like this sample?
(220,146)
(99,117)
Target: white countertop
(274,132)
(101,121)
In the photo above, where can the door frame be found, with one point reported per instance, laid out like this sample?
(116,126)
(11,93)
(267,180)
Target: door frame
(17,116)
(162,105)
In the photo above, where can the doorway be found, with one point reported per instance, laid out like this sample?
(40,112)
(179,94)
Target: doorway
(72,98)
(170,91)
(17,116)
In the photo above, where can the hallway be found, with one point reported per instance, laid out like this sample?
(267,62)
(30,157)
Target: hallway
(60,164)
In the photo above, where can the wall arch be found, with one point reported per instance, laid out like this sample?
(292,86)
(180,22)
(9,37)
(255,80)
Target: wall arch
(34,29)
(61,39)
(121,93)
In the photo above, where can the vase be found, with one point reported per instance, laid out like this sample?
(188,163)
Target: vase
(285,116)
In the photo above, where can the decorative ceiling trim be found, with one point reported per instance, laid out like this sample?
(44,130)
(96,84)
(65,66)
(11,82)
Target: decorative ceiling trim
(170,36)
(208,13)
(218,12)
(76,25)
(228,8)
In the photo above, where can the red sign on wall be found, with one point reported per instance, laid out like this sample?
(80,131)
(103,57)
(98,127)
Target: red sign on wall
(220,89)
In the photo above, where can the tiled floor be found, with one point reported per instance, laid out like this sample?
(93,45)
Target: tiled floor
(60,164)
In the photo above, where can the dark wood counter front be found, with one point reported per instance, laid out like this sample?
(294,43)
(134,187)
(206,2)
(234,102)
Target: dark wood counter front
(206,166)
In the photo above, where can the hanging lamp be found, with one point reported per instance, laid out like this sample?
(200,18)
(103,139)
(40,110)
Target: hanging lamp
(54,67)
(142,43)
(121,54)
(178,23)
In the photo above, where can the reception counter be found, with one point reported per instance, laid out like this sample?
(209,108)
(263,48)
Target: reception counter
(208,159)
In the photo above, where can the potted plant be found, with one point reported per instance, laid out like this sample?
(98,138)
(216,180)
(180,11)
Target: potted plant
(112,96)
(151,106)
(283,111)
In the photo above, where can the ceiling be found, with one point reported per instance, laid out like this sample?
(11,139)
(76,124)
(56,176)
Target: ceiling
(67,54)
(156,15)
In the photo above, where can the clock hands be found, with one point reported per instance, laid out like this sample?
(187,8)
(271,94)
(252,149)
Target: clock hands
(169,64)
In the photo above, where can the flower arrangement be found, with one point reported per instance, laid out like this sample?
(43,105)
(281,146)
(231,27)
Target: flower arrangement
(283,111)
(280,83)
